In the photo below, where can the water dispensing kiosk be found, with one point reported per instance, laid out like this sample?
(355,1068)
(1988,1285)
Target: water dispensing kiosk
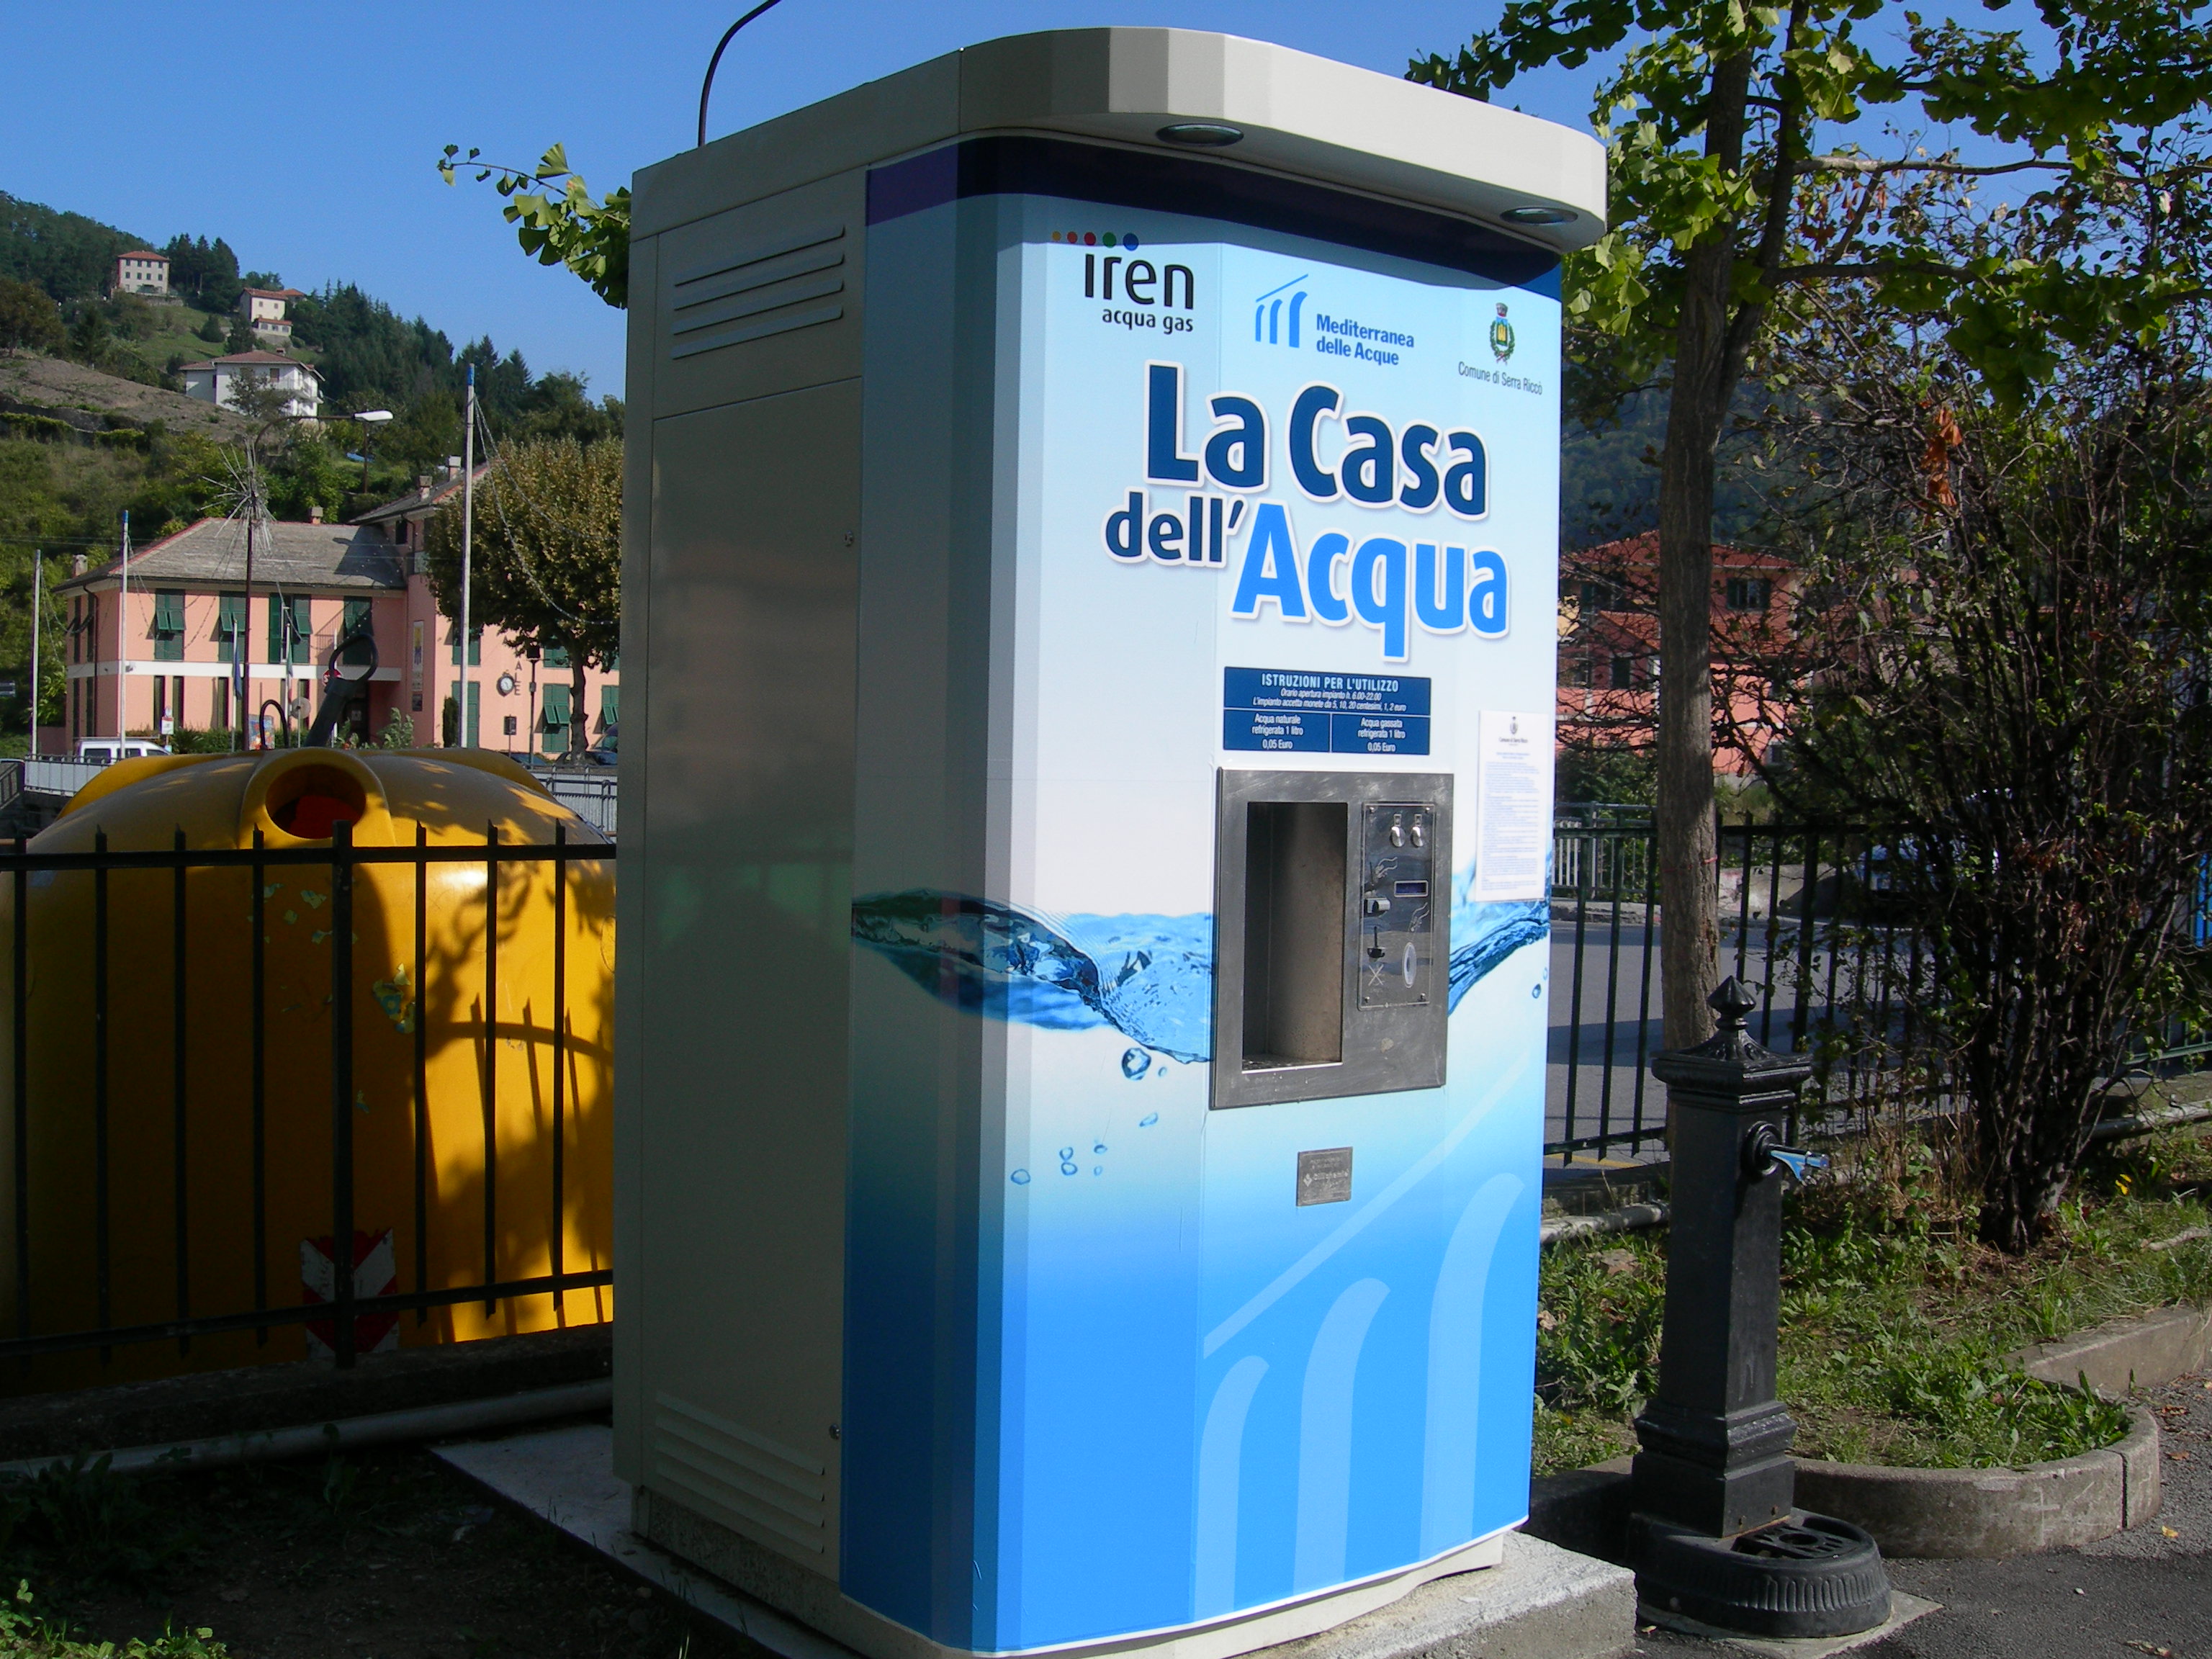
(1092,563)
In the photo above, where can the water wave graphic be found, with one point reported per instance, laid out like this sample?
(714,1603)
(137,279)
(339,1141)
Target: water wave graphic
(1149,977)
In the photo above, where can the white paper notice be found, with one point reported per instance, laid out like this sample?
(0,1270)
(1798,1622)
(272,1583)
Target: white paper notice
(1513,807)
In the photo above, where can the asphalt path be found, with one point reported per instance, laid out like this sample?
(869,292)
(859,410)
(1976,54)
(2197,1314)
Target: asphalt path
(2145,1592)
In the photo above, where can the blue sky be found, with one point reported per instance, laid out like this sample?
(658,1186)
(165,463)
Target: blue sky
(305,134)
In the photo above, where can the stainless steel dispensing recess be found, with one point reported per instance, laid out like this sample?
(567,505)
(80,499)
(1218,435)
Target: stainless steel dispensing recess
(1333,948)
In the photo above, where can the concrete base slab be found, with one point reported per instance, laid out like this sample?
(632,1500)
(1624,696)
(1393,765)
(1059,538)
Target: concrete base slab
(1903,1610)
(567,1476)
(1540,1602)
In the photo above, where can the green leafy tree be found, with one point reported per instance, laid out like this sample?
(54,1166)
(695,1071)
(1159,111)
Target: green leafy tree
(558,220)
(306,474)
(560,406)
(70,256)
(426,432)
(546,555)
(28,317)
(1732,131)
(2006,647)
(89,341)
(206,270)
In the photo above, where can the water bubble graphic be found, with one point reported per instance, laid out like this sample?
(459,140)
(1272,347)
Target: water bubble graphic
(1066,1154)
(1067,1169)
(1537,989)
(1135,1062)
(1098,1148)
(1148,1120)
(1020,1178)
(1098,1169)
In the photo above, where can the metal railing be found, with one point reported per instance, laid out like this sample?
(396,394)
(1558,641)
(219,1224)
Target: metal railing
(1811,923)
(589,795)
(68,1217)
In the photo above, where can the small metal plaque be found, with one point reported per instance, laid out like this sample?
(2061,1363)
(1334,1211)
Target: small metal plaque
(1325,1176)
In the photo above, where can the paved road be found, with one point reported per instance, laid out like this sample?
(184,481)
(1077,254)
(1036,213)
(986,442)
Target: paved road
(2145,1592)
(1593,1095)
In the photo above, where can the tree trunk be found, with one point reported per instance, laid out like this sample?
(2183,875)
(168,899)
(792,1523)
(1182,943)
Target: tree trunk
(1707,362)
(580,730)
(1689,936)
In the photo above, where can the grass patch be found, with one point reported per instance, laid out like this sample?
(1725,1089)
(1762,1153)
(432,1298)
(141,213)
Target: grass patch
(1894,1322)
(24,1633)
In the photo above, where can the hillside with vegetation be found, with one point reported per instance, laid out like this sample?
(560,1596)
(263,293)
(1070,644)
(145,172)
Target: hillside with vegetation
(93,420)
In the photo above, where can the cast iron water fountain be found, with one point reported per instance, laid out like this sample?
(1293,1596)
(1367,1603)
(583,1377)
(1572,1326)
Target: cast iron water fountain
(1715,1537)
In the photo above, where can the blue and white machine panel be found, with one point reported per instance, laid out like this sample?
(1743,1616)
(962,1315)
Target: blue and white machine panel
(1258,501)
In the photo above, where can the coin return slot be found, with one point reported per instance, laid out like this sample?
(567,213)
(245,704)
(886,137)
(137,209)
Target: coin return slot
(1294,888)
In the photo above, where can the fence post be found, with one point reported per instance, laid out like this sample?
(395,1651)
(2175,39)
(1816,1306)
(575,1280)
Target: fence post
(421,1069)
(491,1067)
(104,1263)
(256,952)
(181,1201)
(558,1255)
(342,1285)
(22,1058)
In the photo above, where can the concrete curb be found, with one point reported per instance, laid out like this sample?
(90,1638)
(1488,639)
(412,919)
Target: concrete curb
(1942,1513)
(2146,1351)
(1986,1514)
(1959,1514)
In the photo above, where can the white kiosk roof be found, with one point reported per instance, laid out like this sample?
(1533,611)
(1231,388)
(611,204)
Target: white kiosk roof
(1300,115)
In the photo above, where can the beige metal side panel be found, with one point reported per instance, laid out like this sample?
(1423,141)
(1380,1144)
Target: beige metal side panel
(632,986)
(761,299)
(746,921)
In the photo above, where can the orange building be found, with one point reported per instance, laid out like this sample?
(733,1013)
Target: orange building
(1608,691)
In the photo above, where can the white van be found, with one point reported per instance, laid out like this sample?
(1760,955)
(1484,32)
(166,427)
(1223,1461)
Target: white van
(103,751)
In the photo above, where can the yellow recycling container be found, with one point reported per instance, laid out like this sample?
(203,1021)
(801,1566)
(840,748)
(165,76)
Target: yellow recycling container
(172,1153)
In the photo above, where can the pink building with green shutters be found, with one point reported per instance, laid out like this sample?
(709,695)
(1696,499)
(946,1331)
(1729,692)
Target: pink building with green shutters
(162,659)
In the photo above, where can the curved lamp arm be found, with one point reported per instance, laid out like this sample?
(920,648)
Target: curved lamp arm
(715,63)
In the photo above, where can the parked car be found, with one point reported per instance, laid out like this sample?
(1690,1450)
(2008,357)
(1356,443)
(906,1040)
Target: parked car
(103,751)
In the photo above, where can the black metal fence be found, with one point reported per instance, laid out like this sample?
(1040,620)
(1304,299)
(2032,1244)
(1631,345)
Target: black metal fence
(191,1060)
(212,955)
(1812,923)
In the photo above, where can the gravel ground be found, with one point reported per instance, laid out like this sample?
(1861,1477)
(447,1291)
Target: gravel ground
(384,1556)
(2148,1591)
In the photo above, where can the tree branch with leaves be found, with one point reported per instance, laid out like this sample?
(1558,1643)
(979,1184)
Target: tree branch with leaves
(1729,129)
(556,218)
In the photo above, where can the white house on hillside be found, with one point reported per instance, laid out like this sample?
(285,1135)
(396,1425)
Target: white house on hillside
(217,380)
(263,311)
(140,271)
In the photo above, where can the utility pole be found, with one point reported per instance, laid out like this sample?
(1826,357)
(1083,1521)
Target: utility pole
(38,603)
(241,649)
(468,532)
(123,634)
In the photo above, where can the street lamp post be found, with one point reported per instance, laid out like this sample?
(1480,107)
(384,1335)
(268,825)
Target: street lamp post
(369,417)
